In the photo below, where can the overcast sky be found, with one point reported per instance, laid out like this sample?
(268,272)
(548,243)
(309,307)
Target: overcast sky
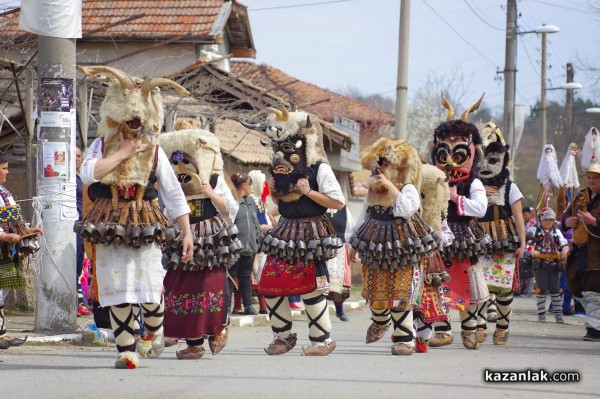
(335,44)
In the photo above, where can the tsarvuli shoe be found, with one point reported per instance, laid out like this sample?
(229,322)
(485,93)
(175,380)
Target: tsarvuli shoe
(375,333)
(217,342)
(481,335)
(151,346)
(127,360)
(441,339)
(171,342)
(500,337)
(190,353)
(321,350)
(402,349)
(279,346)
(468,339)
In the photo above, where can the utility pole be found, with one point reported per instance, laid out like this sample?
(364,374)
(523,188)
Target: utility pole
(543,93)
(401,126)
(55,288)
(569,104)
(510,75)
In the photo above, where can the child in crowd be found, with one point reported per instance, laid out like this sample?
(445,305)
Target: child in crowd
(548,252)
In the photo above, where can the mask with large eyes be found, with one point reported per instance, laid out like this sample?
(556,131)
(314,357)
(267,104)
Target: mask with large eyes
(187,172)
(288,155)
(454,156)
(492,165)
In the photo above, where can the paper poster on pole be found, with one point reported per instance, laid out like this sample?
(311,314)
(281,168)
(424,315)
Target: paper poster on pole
(56,95)
(55,160)
(68,192)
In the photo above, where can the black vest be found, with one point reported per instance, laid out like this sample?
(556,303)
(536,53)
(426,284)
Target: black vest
(504,211)
(304,206)
(203,208)
(339,221)
(453,215)
(100,190)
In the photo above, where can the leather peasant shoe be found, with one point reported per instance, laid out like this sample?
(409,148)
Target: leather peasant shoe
(481,335)
(217,342)
(190,353)
(500,337)
(279,346)
(402,349)
(441,339)
(4,344)
(18,341)
(170,342)
(127,360)
(375,333)
(151,346)
(469,340)
(319,350)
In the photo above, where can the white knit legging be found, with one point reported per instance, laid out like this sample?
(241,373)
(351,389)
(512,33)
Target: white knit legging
(123,322)
(315,305)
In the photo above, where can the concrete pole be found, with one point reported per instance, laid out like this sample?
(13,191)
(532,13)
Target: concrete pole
(55,288)
(30,178)
(543,93)
(401,127)
(569,104)
(510,76)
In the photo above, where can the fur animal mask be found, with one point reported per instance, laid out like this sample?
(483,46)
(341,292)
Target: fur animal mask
(404,168)
(132,107)
(297,144)
(434,196)
(195,155)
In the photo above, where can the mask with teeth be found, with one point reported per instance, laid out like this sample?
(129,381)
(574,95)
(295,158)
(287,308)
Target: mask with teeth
(456,148)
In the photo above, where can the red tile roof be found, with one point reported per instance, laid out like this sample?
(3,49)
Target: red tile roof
(163,18)
(307,96)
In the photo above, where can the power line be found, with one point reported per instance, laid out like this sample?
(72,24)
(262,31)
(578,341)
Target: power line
(461,36)
(481,18)
(300,5)
(581,10)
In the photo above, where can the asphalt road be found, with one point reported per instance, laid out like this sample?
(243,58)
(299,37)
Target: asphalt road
(353,370)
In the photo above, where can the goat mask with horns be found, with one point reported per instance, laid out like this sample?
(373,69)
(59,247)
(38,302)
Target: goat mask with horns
(457,145)
(297,144)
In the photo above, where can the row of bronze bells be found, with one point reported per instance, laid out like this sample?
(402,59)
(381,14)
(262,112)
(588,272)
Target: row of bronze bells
(27,245)
(395,253)
(129,235)
(437,278)
(508,245)
(466,243)
(221,249)
(293,251)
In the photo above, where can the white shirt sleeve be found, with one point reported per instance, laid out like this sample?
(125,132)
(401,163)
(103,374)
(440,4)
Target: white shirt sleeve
(328,184)
(94,153)
(515,194)
(231,204)
(361,217)
(169,189)
(562,241)
(476,204)
(407,202)
(349,225)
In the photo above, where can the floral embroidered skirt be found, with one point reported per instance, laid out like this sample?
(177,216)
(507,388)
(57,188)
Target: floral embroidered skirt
(194,302)
(500,271)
